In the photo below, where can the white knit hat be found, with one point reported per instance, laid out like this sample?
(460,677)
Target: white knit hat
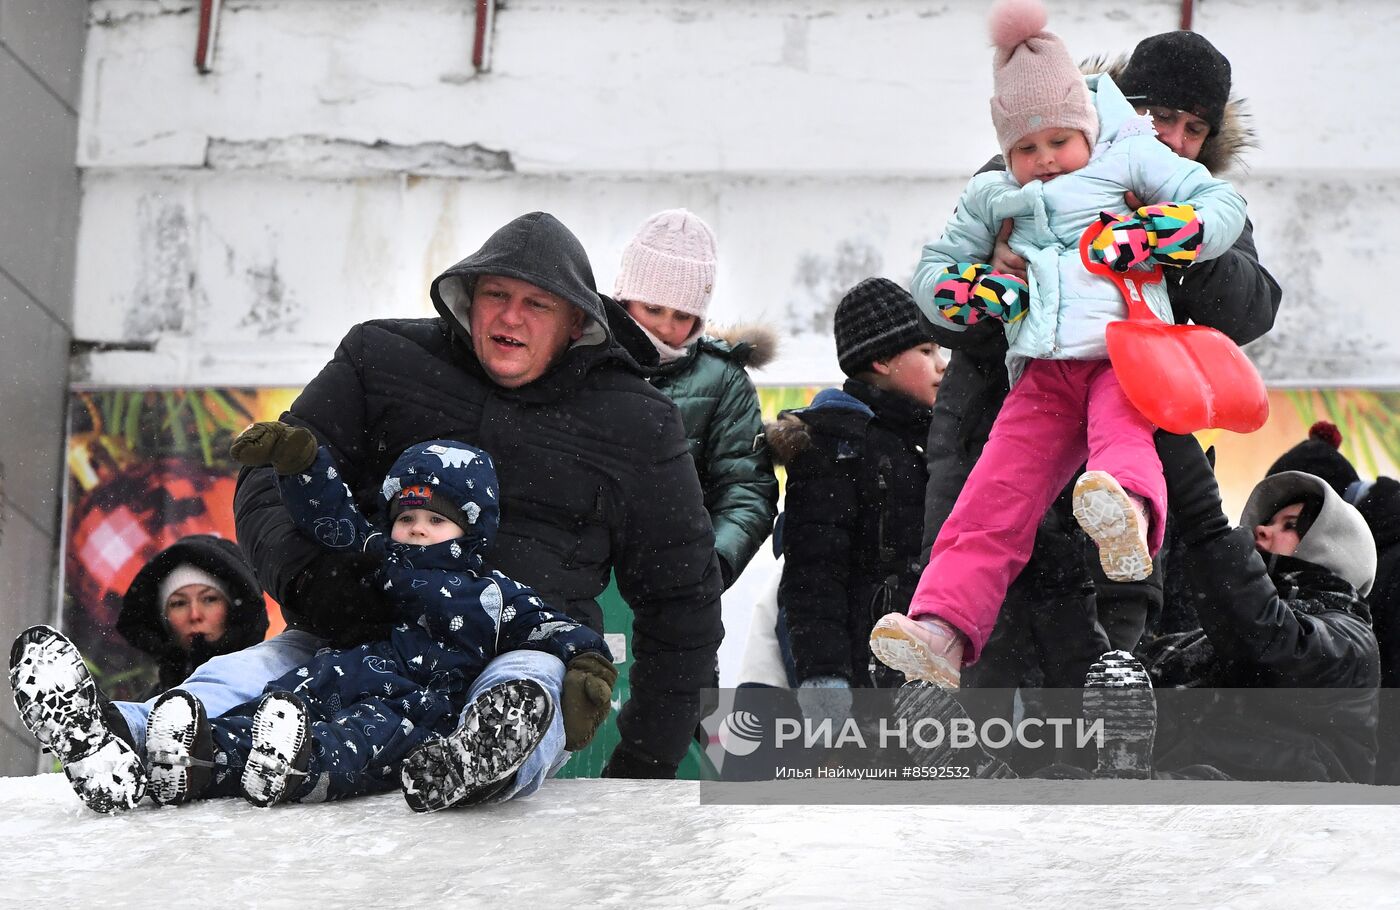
(670,261)
(1035,82)
(186,574)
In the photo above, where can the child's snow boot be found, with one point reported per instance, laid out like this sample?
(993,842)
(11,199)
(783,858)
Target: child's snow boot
(928,649)
(1118,693)
(499,731)
(179,749)
(60,703)
(1118,524)
(281,750)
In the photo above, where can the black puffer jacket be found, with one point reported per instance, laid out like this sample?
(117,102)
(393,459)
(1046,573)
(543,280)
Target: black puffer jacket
(1294,628)
(142,618)
(1381,509)
(851,527)
(1380,506)
(594,472)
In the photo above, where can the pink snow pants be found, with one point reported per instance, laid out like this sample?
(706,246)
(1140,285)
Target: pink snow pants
(1059,414)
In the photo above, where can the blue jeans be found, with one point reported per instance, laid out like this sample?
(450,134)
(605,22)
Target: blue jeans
(229,680)
(549,756)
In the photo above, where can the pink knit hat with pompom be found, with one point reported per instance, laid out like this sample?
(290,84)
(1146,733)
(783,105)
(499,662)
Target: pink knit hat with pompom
(670,262)
(1036,85)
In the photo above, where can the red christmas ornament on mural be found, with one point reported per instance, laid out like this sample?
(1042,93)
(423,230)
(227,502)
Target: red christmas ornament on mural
(129,517)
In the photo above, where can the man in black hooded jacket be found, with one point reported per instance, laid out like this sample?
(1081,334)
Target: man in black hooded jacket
(526,360)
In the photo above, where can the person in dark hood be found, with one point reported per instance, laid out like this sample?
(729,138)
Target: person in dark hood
(195,599)
(1280,602)
(527,361)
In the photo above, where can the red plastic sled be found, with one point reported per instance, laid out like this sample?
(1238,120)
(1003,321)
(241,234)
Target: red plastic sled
(1183,378)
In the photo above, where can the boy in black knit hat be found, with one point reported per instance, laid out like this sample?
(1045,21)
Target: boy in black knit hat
(855,474)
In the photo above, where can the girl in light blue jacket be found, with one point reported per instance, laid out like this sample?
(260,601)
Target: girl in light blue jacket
(1073,147)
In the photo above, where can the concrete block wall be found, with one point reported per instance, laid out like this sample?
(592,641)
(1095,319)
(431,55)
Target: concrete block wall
(41,48)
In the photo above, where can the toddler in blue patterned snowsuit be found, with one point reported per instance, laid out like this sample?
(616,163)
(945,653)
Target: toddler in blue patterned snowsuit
(370,706)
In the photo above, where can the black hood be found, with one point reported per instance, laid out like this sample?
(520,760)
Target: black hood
(141,621)
(539,249)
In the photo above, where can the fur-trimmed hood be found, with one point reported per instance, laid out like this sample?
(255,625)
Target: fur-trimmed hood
(833,412)
(752,345)
(1222,150)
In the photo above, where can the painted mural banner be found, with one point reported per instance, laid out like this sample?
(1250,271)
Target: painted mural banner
(148,466)
(145,468)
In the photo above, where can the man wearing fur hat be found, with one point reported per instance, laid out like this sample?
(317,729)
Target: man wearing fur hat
(1184,82)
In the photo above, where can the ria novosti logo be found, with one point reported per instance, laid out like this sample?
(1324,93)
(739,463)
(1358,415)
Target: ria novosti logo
(740,733)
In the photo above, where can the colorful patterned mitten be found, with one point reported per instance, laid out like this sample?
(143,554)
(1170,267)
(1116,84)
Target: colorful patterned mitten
(1122,243)
(968,291)
(1174,232)
(1004,296)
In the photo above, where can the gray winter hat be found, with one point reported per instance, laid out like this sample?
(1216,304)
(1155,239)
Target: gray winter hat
(1337,540)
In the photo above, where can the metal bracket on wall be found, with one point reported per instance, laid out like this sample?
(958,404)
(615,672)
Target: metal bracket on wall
(208,35)
(481,42)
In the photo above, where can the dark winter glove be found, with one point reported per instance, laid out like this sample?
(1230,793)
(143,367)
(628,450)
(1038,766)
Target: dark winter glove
(626,762)
(1193,496)
(588,685)
(968,292)
(336,596)
(287,448)
(826,698)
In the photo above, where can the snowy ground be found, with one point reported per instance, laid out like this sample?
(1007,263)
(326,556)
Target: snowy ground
(652,844)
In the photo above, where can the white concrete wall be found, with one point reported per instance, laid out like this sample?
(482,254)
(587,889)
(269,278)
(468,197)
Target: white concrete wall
(343,151)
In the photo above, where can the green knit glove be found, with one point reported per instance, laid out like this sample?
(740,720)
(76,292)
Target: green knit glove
(588,682)
(287,448)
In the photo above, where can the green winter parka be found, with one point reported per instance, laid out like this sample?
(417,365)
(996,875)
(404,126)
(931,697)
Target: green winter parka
(724,427)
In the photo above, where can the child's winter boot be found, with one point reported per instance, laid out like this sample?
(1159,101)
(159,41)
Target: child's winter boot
(1118,693)
(179,749)
(60,703)
(928,649)
(281,750)
(1118,524)
(499,731)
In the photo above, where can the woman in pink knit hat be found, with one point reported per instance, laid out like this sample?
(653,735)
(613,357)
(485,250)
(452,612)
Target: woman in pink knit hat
(1073,146)
(666,281)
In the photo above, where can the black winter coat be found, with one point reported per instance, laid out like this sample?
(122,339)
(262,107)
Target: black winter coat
(1381,509)
(142,618)
(852,525)
(594,471)
(1294,627)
